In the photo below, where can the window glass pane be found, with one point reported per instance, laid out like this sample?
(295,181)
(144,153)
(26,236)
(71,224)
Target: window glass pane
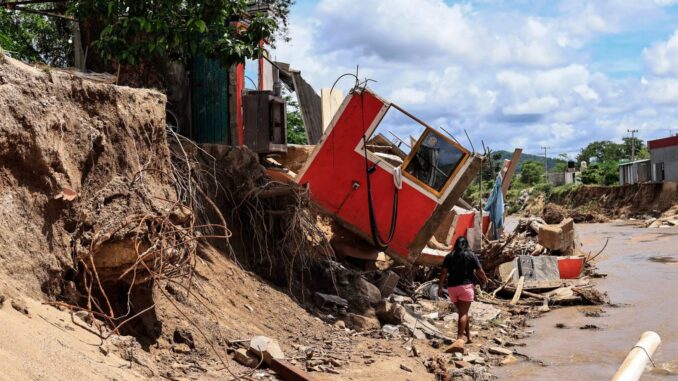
(393,138)
(434,161)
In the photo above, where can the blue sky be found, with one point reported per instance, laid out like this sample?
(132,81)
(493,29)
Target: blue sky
(512,73)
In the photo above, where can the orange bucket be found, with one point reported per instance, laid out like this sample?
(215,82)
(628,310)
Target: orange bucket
(570,267)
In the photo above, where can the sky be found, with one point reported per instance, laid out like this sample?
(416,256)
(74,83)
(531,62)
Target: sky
(527,74)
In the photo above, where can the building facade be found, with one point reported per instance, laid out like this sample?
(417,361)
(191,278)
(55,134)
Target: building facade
(664,159)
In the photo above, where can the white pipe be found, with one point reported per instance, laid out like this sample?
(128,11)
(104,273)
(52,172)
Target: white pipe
(636,361)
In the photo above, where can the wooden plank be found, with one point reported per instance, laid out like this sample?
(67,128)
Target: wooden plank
(519,291)
(510,171)
(310,107)
(505,282)
(289,372)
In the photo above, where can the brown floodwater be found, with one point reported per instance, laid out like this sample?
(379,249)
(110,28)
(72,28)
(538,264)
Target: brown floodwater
(642,268)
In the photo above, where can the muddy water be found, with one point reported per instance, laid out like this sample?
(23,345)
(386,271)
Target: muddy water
(642,268)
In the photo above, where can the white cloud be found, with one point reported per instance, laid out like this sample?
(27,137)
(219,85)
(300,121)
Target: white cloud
(507,74)
(662,57)
(540,105)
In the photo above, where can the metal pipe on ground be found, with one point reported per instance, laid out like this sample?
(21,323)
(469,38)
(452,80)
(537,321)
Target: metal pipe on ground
(634,365)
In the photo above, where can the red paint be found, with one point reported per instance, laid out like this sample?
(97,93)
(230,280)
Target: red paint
(662,143)
(239,87)
(570,267)
(464,222)
(337,165)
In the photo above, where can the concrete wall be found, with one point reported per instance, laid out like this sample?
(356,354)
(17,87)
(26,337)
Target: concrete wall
(562,178)
(668,156)
(636,172)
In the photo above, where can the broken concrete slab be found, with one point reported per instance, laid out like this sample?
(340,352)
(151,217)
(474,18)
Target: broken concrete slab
(482,312)
(266,348)
(557,237)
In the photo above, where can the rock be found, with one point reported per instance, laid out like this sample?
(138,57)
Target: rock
(326,301)
(390,330)
(435,343)
(20,306)
(405,368)
(371,293)
(362,323)
(340,324)
(457,346)
(458,355)
(183,336)
(266,348)
(2,300)
(500,351)
(510,359)
(103,348)
(453,317)
(390,313)
(242,357)
(471,358)
(462,364)
(85,316)
(387,283)
(483,312)
(181,348)
(557,237)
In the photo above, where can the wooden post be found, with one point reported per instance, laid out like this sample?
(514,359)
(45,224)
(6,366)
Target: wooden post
(510,171)
(634,364)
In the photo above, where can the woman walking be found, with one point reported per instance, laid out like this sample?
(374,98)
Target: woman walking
(460,269)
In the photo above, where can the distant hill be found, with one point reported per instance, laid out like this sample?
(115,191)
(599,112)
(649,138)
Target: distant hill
(528,157)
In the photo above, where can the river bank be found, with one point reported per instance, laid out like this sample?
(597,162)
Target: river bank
(642,265)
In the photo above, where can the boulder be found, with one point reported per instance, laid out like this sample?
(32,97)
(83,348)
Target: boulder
(362,323)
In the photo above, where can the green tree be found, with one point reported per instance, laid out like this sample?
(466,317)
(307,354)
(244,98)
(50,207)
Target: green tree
(531,172)
(296,133)
(35,38)
(144,33)
(602,150)
(631,144)
(605,173)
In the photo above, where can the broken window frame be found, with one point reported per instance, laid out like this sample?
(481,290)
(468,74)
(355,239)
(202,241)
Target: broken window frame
(413,150)
(465,155)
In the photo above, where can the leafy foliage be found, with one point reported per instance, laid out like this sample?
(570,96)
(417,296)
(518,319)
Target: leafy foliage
(140,31)
(606,150)
(532,172)
(34,38)
(296,133)
(605,173)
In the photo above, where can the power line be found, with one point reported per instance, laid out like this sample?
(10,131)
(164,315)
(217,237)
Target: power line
(633,144)
(546,165)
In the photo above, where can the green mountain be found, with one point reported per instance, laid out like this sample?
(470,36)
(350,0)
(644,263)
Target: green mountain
(552,161)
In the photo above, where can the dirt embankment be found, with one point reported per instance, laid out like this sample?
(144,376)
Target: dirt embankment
(598,203)
(77,160)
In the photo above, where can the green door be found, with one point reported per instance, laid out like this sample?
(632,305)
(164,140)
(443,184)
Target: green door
(209,101)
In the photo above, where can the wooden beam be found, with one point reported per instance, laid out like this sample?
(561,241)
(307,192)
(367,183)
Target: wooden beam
(510,171)
(519,290)
(289,372)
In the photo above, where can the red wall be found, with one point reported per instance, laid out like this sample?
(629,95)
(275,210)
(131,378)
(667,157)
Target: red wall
(665,142)
(337,165)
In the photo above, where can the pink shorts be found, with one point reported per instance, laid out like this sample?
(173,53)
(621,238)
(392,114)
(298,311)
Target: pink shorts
(465,293)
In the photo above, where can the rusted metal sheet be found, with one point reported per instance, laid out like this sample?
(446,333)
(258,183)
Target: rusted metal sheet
(289,372)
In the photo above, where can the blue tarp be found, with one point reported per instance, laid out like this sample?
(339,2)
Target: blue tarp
(495,205)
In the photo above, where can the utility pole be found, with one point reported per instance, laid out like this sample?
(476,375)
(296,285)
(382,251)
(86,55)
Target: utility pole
(633,144)
(546,164)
